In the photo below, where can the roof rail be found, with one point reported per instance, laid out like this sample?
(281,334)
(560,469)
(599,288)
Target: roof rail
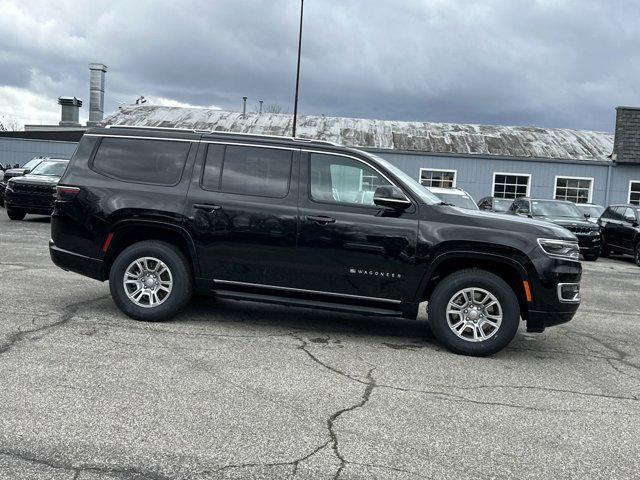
(224,132)
(143,127)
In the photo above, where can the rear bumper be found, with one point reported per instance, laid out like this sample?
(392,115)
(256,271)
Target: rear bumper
(73,262)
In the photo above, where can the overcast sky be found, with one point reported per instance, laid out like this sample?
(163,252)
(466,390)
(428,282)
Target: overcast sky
(549,62)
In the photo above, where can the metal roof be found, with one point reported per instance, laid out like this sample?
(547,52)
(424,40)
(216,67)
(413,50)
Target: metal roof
(435,138)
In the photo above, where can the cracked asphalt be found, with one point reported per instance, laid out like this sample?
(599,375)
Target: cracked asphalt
(242,390)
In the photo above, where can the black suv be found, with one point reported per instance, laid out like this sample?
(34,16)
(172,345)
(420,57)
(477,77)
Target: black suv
(620,229)
(564,214)
(34,193)
(17,172)
(163,212)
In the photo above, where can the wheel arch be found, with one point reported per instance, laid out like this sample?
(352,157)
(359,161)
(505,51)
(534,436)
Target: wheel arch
(510,270)
(129,232)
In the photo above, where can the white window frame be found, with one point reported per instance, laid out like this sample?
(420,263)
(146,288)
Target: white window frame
(629,191)
(455,174)
(493,183)
(568,177)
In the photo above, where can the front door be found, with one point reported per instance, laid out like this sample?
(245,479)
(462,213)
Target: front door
(242,212)
(627,228)
(346,244)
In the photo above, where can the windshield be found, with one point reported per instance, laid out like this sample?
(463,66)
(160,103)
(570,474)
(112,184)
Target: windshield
(501,204)
(417,189)
(594,211)
(32,163)
(549,208)
(462,201)
(53,169)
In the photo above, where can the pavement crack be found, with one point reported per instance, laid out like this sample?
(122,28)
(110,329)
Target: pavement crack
(304,346)
(67,313)
(58,464)
(335,443)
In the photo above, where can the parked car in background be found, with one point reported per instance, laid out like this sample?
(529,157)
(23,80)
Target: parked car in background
(564,214)
(591,211)
(17,172)
(454,196)
(161,213)
(495,204)
(34,192)
(619,226)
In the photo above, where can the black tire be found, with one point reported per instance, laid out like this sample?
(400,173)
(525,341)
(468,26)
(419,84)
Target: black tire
(2,201)
(15,214)
(636,254)
(481,279)
(179,268)
(592,257)
(604,249)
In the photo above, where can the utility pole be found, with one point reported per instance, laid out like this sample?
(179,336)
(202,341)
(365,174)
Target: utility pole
(295,102)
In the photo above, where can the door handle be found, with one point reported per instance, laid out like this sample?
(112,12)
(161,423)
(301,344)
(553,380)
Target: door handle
(209,208)
(321,219)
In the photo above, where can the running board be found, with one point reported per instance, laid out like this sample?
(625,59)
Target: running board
(309,303)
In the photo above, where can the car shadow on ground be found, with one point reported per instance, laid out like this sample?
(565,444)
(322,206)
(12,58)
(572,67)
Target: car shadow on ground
(319,322)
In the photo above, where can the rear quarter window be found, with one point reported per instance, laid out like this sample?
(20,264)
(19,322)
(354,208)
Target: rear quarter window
(158,162)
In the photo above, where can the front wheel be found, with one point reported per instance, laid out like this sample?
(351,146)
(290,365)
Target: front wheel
(14,214)
(474,312)
(591,257)
(151,281)
(636,254)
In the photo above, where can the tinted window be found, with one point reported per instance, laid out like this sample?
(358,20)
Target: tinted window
(616,213)
(146,161)
(343,180)
(253,171)
(212,167)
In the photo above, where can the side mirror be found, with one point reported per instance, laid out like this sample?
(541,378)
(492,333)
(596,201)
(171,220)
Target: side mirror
(587,215)
(390,197)
(27,171)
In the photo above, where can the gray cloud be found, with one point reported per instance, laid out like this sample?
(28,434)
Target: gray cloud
(550,63)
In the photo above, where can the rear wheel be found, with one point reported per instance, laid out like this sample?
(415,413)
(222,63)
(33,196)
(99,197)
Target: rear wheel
(151,281)
(15,214)
(636,254)
(474,312)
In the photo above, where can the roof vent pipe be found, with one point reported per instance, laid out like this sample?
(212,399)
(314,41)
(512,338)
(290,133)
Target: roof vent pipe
(244,107)
(70,111)
(96,93)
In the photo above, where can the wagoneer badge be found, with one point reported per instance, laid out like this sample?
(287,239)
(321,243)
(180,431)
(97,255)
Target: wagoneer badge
(373,273)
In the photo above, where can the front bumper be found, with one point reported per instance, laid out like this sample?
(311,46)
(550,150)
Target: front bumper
(589,244)
(30,203)
(551,305)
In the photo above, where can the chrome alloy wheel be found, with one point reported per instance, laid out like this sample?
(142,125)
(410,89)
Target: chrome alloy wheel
(474,314)
(147,282)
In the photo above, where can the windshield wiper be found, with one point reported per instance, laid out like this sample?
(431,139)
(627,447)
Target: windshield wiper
(447,204)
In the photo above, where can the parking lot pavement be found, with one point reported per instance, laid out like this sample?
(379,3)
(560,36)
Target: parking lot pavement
(242,390)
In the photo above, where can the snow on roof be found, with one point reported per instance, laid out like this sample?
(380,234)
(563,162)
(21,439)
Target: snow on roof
(444,138)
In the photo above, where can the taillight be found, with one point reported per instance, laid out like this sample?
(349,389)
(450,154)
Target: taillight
(65,193)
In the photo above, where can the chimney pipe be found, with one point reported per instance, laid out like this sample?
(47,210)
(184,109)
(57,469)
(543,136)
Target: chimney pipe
(260,110)
(70,111)
(244,106)
(96,93)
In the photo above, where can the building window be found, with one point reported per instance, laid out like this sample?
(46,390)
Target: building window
(430,177)
(634,192)
(574,189)
(511,185)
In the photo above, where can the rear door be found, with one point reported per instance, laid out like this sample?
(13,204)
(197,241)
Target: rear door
(242,212)
(612,227)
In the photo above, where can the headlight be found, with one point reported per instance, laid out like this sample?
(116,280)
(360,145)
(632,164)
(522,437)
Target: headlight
(560,248)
